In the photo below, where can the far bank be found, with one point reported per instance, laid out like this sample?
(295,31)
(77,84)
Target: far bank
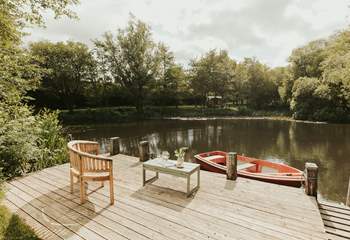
(125,114)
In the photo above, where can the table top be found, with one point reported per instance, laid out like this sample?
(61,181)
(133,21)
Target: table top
(170,166)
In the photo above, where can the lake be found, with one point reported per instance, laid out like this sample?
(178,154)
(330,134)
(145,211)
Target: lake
(289,142)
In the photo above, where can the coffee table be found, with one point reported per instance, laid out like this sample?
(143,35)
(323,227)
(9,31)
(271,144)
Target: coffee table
(158,165)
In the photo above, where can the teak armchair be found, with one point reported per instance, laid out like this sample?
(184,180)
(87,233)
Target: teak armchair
(87,165)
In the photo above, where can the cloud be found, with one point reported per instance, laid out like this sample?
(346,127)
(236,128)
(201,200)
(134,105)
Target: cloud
(266,29)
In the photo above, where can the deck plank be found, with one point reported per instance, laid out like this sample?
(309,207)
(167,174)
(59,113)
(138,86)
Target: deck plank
(221,209)
(336,219)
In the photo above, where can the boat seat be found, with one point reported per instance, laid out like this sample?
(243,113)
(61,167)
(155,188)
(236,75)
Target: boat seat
(245,165)
(213,157)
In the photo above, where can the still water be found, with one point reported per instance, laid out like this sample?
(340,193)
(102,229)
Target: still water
(292,143)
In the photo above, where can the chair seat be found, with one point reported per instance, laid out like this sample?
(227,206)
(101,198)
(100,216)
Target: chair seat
(92,175)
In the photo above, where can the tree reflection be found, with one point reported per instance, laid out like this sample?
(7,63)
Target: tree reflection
(293,143)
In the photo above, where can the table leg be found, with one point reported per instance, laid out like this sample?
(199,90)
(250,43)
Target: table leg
(143,177)
(149,180)
(198,178)
(188,185)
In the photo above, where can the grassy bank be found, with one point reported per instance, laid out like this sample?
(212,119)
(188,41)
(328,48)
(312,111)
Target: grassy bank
(123,114)
(12,227)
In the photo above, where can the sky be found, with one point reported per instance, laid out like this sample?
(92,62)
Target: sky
(266,29)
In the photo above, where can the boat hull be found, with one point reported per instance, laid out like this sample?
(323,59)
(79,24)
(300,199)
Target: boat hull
(284,175)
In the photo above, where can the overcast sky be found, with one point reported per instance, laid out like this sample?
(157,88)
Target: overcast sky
(265,29)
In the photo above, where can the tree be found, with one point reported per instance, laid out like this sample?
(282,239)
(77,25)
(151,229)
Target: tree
(325,96)
(23,135)
(212,74)
(170,79)
(306,61)
(304,100)
(131,58)
(70,66)
(254,85)
(282,78)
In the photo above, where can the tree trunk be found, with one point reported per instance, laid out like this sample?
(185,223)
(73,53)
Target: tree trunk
(139,106)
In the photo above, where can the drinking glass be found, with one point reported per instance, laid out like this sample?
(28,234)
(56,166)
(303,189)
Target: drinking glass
(165,157)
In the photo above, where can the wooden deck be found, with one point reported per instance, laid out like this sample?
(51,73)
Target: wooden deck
(221,209)
(336,219)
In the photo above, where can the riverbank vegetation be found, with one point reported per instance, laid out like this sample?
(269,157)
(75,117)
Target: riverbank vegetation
(130,69)
(28,141)
(125,114)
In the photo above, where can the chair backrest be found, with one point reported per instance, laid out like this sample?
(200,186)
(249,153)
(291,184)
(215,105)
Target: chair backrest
(84,157)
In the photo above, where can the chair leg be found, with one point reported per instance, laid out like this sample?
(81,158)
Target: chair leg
(82,190)
(111,189)
(71,182)
(102,184)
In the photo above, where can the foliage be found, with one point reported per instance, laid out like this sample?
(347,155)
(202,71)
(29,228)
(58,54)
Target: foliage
(16,14)
(127,114)
(17,140)
(304,98)
(170,80)
(19,129)
(131,59)
(17,75)
(23,143)
(306,61)
(51,142)
(256,88)
(211,74)
(28,142)
(282,78)
(325,97)
(180,153)
(69,65)
(130,68)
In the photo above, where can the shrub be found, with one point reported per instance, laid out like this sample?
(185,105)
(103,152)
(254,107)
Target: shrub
(51,142)
(18,140)
(29,142)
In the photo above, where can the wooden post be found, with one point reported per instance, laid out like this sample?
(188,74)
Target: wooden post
(70,137)
(144,151)
(348,196)
(114,144)
(311,175)
(187,157)
(231,165)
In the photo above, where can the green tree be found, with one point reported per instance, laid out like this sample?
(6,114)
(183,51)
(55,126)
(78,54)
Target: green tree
(306,61)
(304,100)
(70,67)
(212,74)
(170,79)
(131,59)
(255,86)
(325,96)
(21,132)
(282,78)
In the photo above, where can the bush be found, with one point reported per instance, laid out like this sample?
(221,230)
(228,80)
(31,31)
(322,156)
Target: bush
(18,140)
(317,100)
(51,142)
(29,142)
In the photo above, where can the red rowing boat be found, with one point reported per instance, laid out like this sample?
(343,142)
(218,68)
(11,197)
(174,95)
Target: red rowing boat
(252,168)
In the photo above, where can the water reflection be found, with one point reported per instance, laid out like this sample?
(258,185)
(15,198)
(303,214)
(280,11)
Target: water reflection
(289,142)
